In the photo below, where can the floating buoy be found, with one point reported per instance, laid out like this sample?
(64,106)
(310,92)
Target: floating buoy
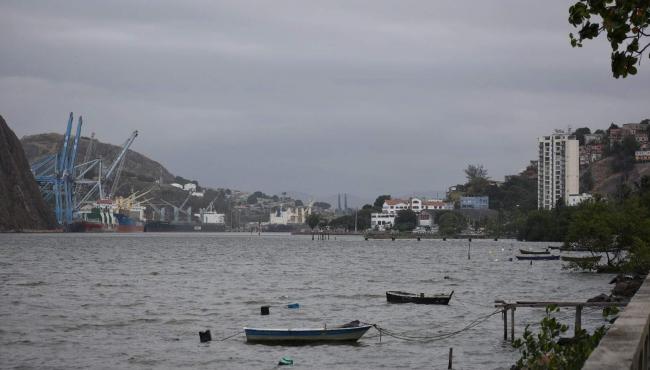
(286,360)
(418,238)
(293,305)
(496,239)
(444,239)
(264,310)
(205,336)
(393,238)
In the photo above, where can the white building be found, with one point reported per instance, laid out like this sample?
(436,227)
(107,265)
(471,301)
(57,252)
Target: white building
(290,215)
(381,220)
(436,204)
(190,186)
(211,217)
(386,218)
(557,175)
(575,199)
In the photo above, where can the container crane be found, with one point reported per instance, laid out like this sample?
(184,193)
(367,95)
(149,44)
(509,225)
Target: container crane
(56,174)
(62,180)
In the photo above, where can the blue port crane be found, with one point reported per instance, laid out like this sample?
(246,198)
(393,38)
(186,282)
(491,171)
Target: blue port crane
(63,181)
(56,173)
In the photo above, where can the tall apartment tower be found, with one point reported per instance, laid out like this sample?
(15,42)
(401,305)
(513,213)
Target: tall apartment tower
(558,171)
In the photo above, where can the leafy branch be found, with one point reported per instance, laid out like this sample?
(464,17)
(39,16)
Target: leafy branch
(625,22)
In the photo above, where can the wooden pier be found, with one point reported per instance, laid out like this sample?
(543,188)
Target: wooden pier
(505,306)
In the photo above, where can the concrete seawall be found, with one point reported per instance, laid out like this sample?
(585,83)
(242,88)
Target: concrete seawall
(627,343)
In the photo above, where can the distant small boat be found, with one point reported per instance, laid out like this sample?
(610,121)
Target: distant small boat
(523,251)
(350,332)
(547,257)
(394,296)
(590,259)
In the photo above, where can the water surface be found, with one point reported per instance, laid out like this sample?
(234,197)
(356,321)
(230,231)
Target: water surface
(77,301)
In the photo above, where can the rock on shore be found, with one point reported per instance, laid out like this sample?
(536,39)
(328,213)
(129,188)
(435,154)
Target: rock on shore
(21,205)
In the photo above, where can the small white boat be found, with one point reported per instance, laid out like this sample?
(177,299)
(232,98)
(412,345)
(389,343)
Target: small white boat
(350,332)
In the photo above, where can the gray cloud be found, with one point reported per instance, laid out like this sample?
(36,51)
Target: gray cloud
(360,96)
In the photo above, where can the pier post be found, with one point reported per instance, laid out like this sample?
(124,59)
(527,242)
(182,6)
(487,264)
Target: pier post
(505,323)
(451,356)
(578,325)
(512,324)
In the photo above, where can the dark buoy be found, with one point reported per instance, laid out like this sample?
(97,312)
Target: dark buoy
(264,310)
(470,240)
(205,336)
(418,238)
(366,238)
(496,239)
(393,238)
(531,263)
(444,239)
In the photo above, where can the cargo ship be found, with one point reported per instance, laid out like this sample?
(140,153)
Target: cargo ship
(210,221)
(108,216)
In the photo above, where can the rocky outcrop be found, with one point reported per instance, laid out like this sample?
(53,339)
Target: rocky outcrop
(137,167)
(21,205)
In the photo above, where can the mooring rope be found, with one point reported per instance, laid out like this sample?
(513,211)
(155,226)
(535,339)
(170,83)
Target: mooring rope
(431,338)
(231,336)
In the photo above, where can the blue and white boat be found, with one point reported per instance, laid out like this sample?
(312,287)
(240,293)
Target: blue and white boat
(350,332)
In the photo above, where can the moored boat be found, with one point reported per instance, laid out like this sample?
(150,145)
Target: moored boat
(350,332)
(524,251)
(394,296)
(547,257)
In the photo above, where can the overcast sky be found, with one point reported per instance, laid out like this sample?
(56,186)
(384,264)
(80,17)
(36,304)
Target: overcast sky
(364,97)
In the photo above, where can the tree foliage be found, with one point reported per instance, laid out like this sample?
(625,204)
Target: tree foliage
(625,22)
(313,220)
(475,171)
(379,202)
(252,199)
(580,134)
(406,220)
(322,205)
(451,223)
(347,222)
(542,350)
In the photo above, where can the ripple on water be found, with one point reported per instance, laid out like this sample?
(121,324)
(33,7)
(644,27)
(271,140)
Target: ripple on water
(138,301)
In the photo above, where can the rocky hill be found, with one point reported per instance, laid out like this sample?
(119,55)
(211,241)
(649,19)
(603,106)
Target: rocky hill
(606,181)
(137,168)
(21,204)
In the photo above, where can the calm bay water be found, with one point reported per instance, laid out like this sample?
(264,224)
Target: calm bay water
(77,301)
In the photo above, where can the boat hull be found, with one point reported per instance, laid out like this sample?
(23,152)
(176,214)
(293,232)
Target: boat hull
(523,251)
(89,227)
(298,336)
(537,258)
(404,297)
